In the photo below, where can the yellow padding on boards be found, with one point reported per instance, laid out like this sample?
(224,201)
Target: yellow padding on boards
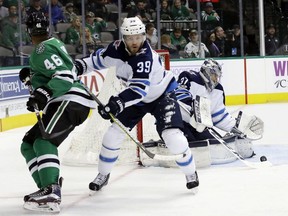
(20,121)
(17,121)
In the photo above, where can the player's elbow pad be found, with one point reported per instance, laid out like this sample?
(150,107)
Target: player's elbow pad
(81,66)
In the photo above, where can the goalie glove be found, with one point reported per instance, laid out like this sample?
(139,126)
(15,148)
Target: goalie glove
(202,114)
(250,127)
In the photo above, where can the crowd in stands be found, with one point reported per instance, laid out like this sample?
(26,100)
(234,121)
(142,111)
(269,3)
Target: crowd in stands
(219,36)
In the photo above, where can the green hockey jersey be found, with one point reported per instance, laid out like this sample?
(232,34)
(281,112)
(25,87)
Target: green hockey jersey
(52,67)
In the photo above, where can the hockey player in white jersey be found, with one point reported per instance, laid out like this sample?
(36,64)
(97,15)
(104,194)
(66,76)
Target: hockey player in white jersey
(205,84)
(149,89)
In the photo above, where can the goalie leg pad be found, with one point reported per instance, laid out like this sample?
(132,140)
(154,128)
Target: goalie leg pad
(219,154)
(244,147)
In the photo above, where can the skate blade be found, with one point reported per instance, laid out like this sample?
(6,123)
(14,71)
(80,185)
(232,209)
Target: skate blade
(47,207)
(92,192)
(194,191)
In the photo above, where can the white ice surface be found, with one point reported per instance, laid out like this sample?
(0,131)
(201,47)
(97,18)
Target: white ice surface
(225,190)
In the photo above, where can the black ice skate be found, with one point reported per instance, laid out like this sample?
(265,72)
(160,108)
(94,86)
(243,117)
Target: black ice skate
(46,199)
(192,181)
(99,182)
(27,197)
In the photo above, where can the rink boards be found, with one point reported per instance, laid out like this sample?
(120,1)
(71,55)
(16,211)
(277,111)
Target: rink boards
(246,81)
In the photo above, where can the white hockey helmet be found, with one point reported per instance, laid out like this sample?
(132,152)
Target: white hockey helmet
(211,73)
(132,26)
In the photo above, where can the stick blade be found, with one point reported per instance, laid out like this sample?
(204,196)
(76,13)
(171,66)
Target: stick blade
(259,165)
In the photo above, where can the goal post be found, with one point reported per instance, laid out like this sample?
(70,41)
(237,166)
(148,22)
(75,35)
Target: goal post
(85,146)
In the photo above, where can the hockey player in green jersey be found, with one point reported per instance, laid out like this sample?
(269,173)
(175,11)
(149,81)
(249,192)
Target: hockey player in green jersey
(57,91)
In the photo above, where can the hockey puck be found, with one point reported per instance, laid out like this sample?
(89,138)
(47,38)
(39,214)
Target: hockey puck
(263,158)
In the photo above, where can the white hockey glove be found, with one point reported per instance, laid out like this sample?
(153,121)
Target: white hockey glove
(250,127)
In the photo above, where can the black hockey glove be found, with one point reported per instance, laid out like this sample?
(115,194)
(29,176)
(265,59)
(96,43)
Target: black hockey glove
(114,106)
(81,66)
(40,96)
(24,75)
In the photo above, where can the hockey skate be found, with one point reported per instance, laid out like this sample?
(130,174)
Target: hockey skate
(46,199)
(192,182)
(99,182)
(27,197)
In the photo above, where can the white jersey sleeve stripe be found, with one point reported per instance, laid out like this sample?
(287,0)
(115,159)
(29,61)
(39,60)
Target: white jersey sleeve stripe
(99,60)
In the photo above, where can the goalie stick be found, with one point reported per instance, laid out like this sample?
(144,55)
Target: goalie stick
(197,113)
(237,155)
(122,127)
(43,132)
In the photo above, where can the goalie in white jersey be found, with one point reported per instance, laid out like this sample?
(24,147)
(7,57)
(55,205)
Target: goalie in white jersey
(149,89)
(205,85)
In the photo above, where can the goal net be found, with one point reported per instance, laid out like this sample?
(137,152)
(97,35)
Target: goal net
(85,146)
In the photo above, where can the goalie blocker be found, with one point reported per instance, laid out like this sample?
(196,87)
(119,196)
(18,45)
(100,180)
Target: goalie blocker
(205,152)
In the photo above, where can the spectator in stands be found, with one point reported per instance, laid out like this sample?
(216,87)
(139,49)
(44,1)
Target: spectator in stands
(34,7)
(90,42)
(24,14)
(177,39)
(220,39)
(165,13)
(236,33)
(69,13)
(151,35)
(56,12)
(272,42)
(11,36)
(99,8)
(213,49)
(179,11)
(4,12)
(95,24)
(195,48)
(73,32)
(140,11)
(231,47)
(209,17)
(13,11)
(167,45)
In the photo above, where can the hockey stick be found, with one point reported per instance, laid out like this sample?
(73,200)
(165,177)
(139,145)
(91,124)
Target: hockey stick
(237,155)
(122,127)
(43,132)
(216,136)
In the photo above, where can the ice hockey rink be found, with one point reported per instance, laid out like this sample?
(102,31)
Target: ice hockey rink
(225,190)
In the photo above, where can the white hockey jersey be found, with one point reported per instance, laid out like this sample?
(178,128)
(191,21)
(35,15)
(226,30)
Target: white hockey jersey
(143,74)
(191,84)
(192,50)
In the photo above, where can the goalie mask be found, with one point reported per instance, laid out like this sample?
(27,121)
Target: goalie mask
(37,24)
(210,72)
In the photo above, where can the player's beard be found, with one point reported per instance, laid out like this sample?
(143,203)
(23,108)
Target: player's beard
(134,49)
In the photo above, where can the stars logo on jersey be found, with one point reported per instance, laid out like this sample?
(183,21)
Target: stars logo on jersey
(141,51)
(40,48)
